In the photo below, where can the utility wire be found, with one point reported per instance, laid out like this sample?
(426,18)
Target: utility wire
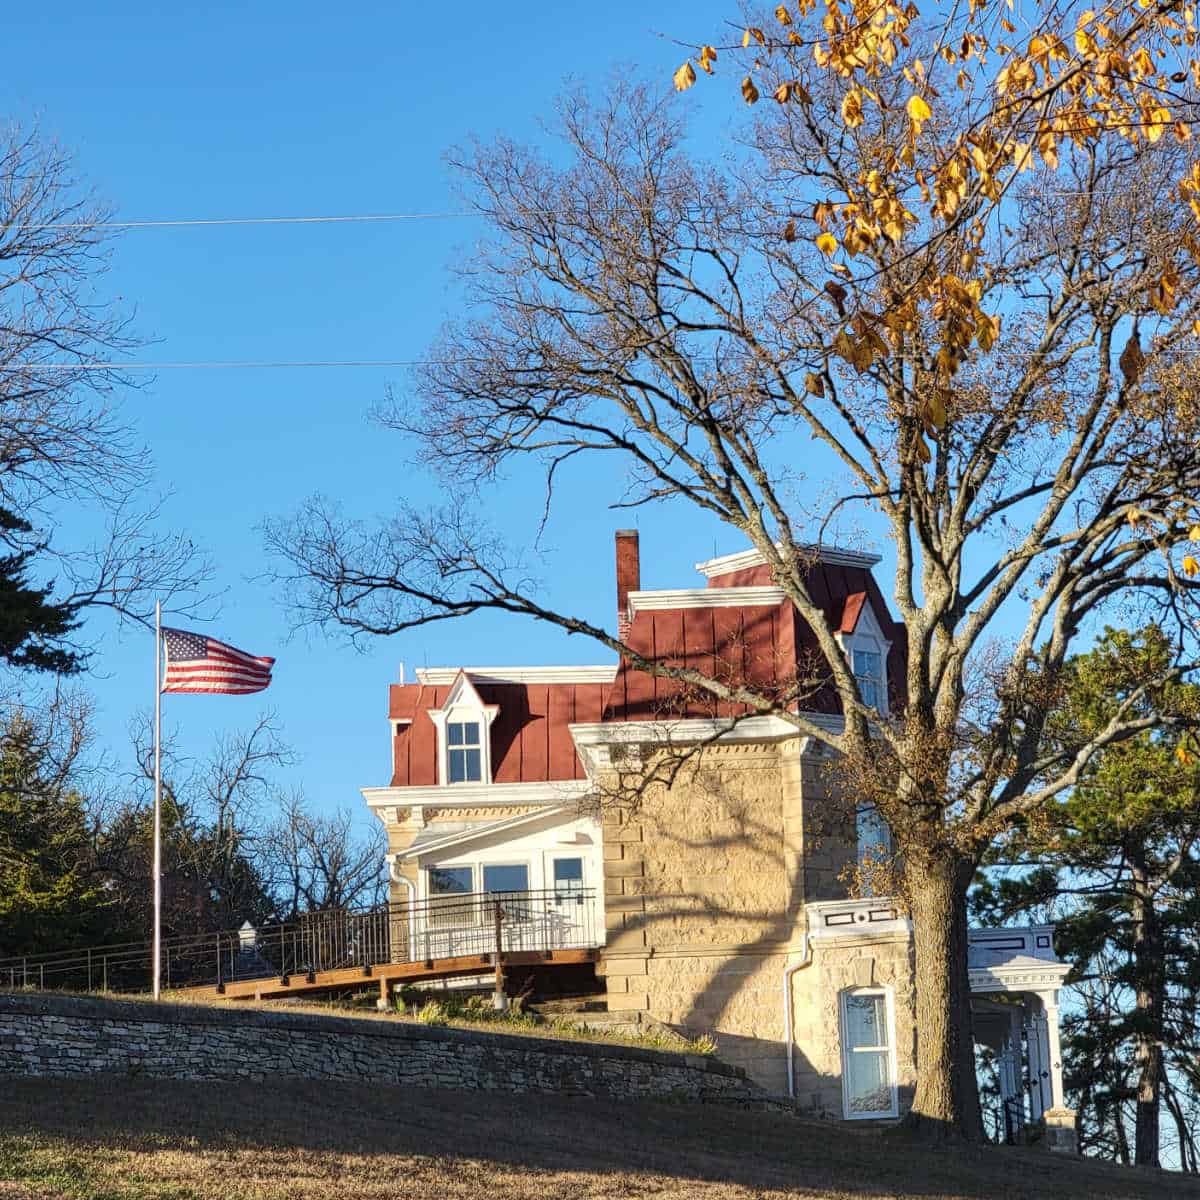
(189,221)
(213,366)
(352,218)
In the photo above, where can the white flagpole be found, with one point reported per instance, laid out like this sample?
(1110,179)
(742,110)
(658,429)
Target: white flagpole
(157,797)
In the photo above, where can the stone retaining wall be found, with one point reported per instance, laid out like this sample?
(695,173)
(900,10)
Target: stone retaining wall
(48,1035)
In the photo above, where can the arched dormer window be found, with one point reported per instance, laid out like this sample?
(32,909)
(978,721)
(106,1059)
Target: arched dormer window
(862,638)
(463,725)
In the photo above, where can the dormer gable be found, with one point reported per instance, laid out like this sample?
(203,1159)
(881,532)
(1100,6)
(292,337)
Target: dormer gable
(861,636)
(463,723)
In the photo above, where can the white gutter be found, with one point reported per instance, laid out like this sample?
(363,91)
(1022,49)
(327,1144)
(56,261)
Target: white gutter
(396,877)
(788,1019)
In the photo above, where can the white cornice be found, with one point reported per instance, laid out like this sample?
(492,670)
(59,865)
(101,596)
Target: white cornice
(477,795)
(734,597)
(432,676)
(463,837)
(594,741)
(1044,977)
(745,559)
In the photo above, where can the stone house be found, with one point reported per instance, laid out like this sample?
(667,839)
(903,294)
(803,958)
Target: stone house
(719,900)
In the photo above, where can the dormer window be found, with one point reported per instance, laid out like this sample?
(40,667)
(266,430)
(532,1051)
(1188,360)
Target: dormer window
(866,648)
(466,751)
(463,724)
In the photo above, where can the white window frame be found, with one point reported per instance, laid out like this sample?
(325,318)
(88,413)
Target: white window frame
(461,719)
(463,703)
(893,1110)
(868,636)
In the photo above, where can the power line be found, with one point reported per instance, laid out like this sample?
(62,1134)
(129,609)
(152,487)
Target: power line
(216,366)
(192,221)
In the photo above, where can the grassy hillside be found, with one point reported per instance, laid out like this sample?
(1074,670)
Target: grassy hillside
(119,1139)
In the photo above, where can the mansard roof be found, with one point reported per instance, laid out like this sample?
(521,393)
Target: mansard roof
(740,627)
(530,742)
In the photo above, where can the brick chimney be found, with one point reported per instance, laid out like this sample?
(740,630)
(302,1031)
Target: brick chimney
(629,576)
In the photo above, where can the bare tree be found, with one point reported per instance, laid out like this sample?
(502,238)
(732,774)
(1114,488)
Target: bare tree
(314,861)
(635,303)
(63,444)
(215,813)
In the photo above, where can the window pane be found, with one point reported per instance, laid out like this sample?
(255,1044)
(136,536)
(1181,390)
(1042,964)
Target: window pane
(474,772)
(465,766)
(449,881)
(866,1021)
(506,879)
(868,674)
(874,837)
(463,733)
(868,1087)
(568,870)
(866,662)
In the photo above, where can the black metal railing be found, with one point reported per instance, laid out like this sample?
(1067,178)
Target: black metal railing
(440,927)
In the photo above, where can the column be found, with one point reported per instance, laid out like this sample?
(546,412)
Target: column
(1054,1048)
(1060,1120)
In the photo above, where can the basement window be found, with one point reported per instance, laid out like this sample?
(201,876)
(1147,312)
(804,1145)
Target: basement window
(868,1035)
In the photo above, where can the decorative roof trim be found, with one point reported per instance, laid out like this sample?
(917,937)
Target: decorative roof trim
(478,795)
(734,597)
(463,837)
(434,676)
(1044,977)
(594,741)
(745,559)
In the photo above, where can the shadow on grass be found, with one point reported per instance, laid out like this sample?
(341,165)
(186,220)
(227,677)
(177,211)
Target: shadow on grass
(213,1135)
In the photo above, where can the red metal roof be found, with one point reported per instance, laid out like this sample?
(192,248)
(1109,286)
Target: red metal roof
(766,646)
(531,741)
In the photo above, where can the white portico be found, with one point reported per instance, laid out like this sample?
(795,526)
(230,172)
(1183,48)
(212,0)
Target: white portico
(1015,981)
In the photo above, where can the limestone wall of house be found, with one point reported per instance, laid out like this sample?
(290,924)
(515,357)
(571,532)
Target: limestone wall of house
(705,886)
(852,962)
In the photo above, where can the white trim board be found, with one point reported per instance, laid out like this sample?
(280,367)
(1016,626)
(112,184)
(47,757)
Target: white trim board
(435,676)
(734,597)
(744,560)
(477,795)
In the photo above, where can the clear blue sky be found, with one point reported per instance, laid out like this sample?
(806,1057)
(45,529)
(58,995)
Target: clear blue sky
(220,111)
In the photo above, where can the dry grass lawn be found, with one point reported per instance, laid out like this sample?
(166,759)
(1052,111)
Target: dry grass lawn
(133,1139)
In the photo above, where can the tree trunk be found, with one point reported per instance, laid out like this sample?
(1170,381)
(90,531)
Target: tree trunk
(1148,1021)
(946,1100)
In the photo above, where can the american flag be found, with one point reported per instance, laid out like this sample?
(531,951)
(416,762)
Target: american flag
(196,663)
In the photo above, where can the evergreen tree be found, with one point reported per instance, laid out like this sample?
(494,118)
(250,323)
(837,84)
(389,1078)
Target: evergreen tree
(1116,864)
(32,626)
(49,896)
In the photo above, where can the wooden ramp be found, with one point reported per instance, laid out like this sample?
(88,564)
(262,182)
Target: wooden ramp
(384,975)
